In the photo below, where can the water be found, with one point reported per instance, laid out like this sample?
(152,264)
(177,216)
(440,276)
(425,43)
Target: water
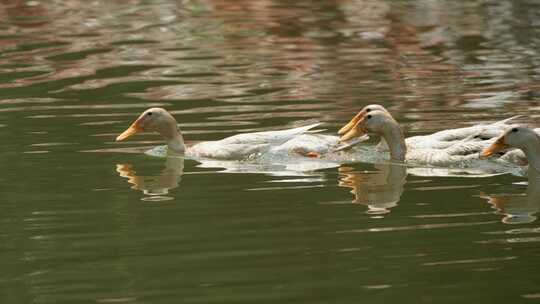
(87,220)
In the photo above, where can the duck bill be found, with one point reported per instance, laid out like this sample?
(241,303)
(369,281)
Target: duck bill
(132,130)
(495,147)
(346,128)
(357,130)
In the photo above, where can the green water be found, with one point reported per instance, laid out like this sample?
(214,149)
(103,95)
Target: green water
(84,219)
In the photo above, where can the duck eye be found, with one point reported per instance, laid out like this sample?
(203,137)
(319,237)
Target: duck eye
(369,117)
(514,130)
(368,110)
(149,113)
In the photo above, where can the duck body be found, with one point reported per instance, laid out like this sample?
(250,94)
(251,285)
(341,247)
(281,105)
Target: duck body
(242,146)
(216,150)
(308,143)
(448,138)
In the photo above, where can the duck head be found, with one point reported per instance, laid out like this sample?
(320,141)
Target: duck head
(517,137)
(152,120)
(500,144)
(365,110)
(374,121)
(156,120)
(383,124)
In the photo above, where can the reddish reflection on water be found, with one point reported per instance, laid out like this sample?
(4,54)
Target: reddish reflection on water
(423,59)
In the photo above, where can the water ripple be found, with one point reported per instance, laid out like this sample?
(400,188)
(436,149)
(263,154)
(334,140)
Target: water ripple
(80,107)
(470,261)
(416,227)
(92,227)
(517,231)
(511,240)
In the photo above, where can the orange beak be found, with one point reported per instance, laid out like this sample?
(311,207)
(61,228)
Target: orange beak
(351,123)
(132,130)
(495,147)
(357,130)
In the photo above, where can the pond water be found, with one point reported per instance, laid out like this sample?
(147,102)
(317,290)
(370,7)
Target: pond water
(84,219)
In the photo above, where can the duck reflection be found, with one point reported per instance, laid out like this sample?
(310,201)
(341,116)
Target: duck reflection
(155,187)
(519,208)
(379,190)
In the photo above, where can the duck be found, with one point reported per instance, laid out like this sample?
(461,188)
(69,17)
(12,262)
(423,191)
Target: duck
(299,141)
(441,139)
(519,208)
(524,139)
(458,154)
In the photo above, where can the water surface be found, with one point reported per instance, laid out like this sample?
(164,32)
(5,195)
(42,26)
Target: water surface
(87,220)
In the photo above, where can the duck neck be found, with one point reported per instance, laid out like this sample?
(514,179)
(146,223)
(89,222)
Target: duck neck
(532,150)
(177,144)
(393,136)
(174,139)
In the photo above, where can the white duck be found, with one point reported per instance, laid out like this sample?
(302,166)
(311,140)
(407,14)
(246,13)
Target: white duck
(522,138)
(459,153)
(441,139)
(237,147)
(519,208)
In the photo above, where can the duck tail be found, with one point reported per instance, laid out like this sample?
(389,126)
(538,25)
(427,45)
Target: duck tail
(315,131)
(507,120)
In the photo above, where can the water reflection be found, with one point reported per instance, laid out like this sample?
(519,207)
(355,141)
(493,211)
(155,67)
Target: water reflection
(380,189)
(72,71)
(155,187)
(518,208)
